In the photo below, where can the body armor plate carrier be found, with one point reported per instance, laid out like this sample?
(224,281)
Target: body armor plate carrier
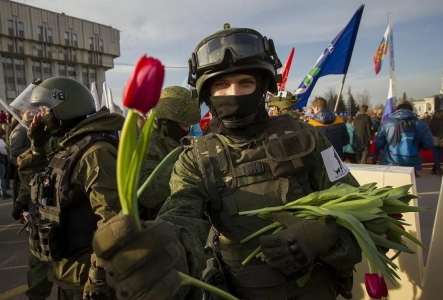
(269,173)
(67,222)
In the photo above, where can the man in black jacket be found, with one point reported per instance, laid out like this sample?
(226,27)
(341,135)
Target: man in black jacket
(363,129)
(331,126)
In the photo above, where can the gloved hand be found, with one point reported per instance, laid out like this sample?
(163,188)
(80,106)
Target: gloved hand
(140,264)
(18,209)
(297,246)
(38,134)
(96,287)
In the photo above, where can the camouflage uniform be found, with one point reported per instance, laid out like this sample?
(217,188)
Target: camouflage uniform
(250,161)
(39,287)
(176,104)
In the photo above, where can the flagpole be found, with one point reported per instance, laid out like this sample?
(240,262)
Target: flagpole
(339,93)
(391,60)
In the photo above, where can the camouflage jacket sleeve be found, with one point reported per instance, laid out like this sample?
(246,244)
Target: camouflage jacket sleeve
(157,192)
(318,177)
(19,142)
(185,208)
(28,164)
(95,172)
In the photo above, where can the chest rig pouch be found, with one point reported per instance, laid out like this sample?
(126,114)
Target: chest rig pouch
(267,173)
(67,222)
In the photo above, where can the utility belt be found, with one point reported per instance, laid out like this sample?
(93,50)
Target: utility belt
(262,282)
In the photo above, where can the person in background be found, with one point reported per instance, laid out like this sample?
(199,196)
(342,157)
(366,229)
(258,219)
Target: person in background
(363,128)
(436,127)
(3,163)
(401,137)
(426,117)
(348,152)
(3,117)
(18,143)
(330,125)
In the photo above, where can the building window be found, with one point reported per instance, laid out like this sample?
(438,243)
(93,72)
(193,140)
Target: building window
(65,54)
(20,76)
(36,69)
(85,76)
(62,70)
(40,33)
(11,30)
(48,51)
(74,55)
(71,71)
(47,72)
(89,57)
(428,107)
(8,74)
(66,38)
(91,43)
(20,46)
(419,108)
(93,74)
(101,45)
(100,60)
(49,35)
(21,29)
(74,40)
(11,45)
(39,48)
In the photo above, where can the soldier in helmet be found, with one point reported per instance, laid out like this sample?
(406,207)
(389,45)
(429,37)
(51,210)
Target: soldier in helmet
(74,187)
(283,103)
(176,111)
(249,161)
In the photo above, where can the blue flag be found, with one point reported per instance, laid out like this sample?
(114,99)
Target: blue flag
(389,106)
(334,60)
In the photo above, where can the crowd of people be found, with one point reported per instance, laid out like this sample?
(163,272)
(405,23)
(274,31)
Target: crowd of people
(257,153)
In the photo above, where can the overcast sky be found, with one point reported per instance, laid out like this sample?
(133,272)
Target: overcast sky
(170,29)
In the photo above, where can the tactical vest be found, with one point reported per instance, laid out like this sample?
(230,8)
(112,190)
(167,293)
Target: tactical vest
(270,173)
(67,222)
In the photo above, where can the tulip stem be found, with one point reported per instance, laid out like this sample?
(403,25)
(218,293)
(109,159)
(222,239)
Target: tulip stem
(166,162)
(124,156)
(188,280)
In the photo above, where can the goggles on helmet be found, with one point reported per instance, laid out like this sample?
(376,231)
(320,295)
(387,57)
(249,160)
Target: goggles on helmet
(230,46)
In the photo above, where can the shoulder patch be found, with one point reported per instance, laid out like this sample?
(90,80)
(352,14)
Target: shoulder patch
(334,166)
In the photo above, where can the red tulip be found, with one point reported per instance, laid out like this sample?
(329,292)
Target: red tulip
(383,286)
(372,284)
(397,216)
(142,91)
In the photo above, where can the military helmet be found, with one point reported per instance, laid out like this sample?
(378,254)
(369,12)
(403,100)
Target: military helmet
(284,100)
(67,97)
(233,50)
(177,104)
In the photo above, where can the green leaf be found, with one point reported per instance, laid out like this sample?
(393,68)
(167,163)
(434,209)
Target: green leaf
(395,209)
(401,190)
(382,242)
(355,205)
(397,229)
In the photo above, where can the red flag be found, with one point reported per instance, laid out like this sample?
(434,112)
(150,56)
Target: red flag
(285,71)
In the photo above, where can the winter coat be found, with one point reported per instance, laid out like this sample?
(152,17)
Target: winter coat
(348,148)
(333,128)
(385,137)
(363,128)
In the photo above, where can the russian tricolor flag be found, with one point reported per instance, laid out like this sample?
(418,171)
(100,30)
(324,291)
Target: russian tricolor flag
(389,106)
(383,49)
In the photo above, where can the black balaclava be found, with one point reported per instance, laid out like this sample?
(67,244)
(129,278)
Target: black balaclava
(240,117)
(172,129)
(57,127)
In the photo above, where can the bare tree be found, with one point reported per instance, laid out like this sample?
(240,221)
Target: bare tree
(363,98)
